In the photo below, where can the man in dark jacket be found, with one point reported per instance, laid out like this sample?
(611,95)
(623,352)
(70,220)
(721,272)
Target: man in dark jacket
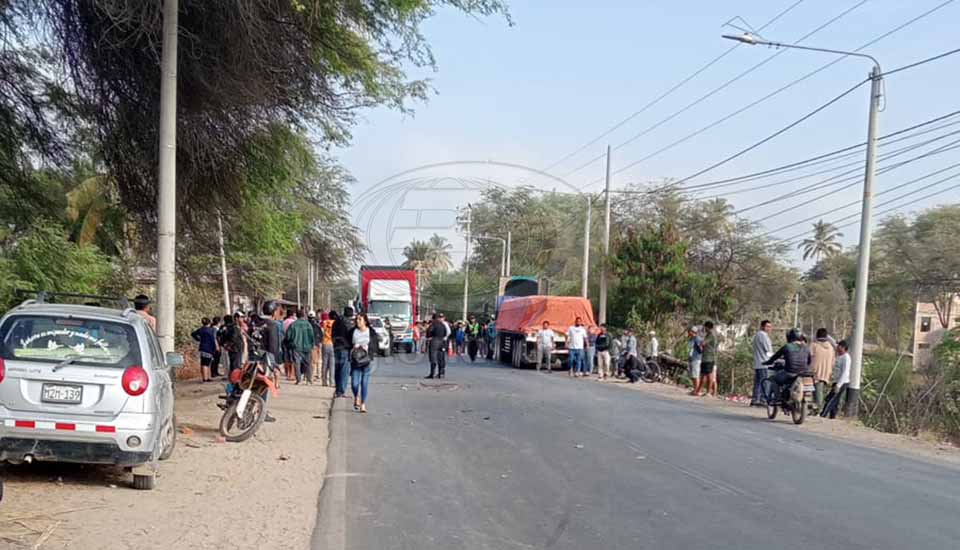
(439,335)
(603,353)
(796,360)
(341,350)
(206,337)
(300,341)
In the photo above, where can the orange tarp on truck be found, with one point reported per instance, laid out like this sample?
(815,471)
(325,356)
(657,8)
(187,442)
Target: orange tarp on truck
(528,313)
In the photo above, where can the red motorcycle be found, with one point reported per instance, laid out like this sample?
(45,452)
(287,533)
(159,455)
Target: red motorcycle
(246,401)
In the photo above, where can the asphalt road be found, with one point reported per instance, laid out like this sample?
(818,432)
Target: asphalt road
(495,458)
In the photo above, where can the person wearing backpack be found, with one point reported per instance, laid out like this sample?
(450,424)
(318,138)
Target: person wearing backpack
(363,342)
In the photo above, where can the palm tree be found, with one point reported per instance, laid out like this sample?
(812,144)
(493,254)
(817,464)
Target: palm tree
(440,253)
(429,256)
(418,255)
(824,242)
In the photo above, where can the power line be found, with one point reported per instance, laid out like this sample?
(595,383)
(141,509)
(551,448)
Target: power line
(716,90)
(781,89)
(921,62)
(665,94)
(796,238)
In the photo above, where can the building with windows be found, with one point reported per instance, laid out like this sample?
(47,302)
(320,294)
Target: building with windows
(928,330)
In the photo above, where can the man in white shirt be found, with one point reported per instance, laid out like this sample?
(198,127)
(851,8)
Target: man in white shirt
(842,373)
(631,343)
(762,350)
(576,338)
(653,346)
(545,345)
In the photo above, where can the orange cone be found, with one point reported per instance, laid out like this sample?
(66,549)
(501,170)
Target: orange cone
(449,351)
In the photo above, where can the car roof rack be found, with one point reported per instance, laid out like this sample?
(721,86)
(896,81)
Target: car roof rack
(44,297)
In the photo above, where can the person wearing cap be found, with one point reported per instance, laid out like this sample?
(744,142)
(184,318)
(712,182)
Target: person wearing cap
(144,308)
(439,335)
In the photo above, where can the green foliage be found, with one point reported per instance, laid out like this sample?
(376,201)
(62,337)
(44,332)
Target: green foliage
(44,259)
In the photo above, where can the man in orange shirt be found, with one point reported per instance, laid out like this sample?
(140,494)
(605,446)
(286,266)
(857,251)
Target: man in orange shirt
(326,350)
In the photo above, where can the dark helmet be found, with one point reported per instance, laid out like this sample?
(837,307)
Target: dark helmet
(347,312)
(270,307)
(793,335)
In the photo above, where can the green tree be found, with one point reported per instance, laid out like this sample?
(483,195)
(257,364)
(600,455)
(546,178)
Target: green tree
(823,243)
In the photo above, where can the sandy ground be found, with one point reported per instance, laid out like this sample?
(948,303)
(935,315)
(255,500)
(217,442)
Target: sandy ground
(260,494)
(854,432)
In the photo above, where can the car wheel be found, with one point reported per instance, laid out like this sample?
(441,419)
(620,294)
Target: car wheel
(144,482)
(168,439)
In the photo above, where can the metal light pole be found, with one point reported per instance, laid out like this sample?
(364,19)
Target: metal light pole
(866,216)
(509,251)
(167,181)
(606,244)
(466,267)
(503,251)
(586,250)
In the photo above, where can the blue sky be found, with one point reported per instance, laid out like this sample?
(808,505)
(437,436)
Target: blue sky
(569,70)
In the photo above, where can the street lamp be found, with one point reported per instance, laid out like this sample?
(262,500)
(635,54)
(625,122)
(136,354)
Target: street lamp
(866,214)
(503,251)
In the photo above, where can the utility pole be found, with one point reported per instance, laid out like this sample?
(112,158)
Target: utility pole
(223,268)
(509,251)
(863,261)
(586,250)
(298,290)
(167,181)
(466,267)
(503,258)
(606,245)
(796,311)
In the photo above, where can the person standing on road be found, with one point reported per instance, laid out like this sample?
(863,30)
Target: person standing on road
(491,337)
(316,357)
(708,363)
(233,343)
(631,344)
(576,340)
(206,337)
(461,337)
(215,362)
(839,389)
(300,341)
(602,344)
(823,354)
(363,344)
(326,350)
(473,337)
(589,351)
(341,350)
(439,336)
(762,350)
(287,354)
(616,352)
(545,343)
(653,346)
(694,357)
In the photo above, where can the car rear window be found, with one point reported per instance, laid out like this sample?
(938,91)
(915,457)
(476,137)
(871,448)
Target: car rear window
(55,339)
(376,323)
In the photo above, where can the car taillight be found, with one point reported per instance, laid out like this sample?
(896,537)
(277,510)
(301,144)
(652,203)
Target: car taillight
(135,381)
(3,369)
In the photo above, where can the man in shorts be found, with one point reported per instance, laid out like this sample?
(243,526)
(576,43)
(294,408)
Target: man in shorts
(694,357)
(708,361)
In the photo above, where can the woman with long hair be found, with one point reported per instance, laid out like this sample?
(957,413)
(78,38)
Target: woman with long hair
(363,343)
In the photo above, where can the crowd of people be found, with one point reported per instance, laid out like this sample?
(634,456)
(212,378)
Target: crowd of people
(313,347)
(594,350)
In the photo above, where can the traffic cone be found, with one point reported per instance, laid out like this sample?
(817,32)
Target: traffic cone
(449,351)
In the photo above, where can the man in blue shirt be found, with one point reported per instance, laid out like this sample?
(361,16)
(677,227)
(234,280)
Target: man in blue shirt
(206,336)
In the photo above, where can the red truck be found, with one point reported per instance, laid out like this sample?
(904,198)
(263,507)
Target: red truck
(520,318)
(391,293)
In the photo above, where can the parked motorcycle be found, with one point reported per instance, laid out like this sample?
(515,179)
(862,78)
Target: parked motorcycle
(245,406)
(793,399)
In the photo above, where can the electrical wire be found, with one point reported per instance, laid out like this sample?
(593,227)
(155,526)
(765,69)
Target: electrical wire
(781,89)
(716,90)
(921,62)
(667,93)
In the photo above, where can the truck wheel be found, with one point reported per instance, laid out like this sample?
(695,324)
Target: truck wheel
(516,353)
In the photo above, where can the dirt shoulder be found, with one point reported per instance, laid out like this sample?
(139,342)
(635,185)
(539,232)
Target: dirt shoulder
(258,494)
(846,430)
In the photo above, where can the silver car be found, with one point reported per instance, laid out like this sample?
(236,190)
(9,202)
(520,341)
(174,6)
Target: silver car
(383,335)
(85,384)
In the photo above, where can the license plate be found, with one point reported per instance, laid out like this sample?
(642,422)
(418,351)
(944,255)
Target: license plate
(60,393)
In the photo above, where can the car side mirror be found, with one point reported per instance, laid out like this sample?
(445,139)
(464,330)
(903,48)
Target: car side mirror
(174,359)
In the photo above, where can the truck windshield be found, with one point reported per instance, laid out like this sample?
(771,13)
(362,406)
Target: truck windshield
(393,309)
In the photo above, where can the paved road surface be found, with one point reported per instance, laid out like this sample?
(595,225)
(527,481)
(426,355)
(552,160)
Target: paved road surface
(494,458)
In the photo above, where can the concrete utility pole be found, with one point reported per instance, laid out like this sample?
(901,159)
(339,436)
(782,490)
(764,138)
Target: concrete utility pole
(866,214)
(466,266)
(298,290)
(509,251)
(223,269)
(863,261)
(167,181)
(606,244)
(796,311)
(586,250)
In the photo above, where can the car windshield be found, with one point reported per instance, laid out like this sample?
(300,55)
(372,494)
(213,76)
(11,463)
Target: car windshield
(56,339)
(393,309)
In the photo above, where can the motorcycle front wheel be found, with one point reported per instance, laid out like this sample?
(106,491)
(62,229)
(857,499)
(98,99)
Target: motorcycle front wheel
(236,429)
(799,412)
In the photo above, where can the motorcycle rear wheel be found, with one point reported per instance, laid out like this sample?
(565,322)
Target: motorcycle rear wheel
(770,389)
(235,429)
(651,372)
(799,412)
